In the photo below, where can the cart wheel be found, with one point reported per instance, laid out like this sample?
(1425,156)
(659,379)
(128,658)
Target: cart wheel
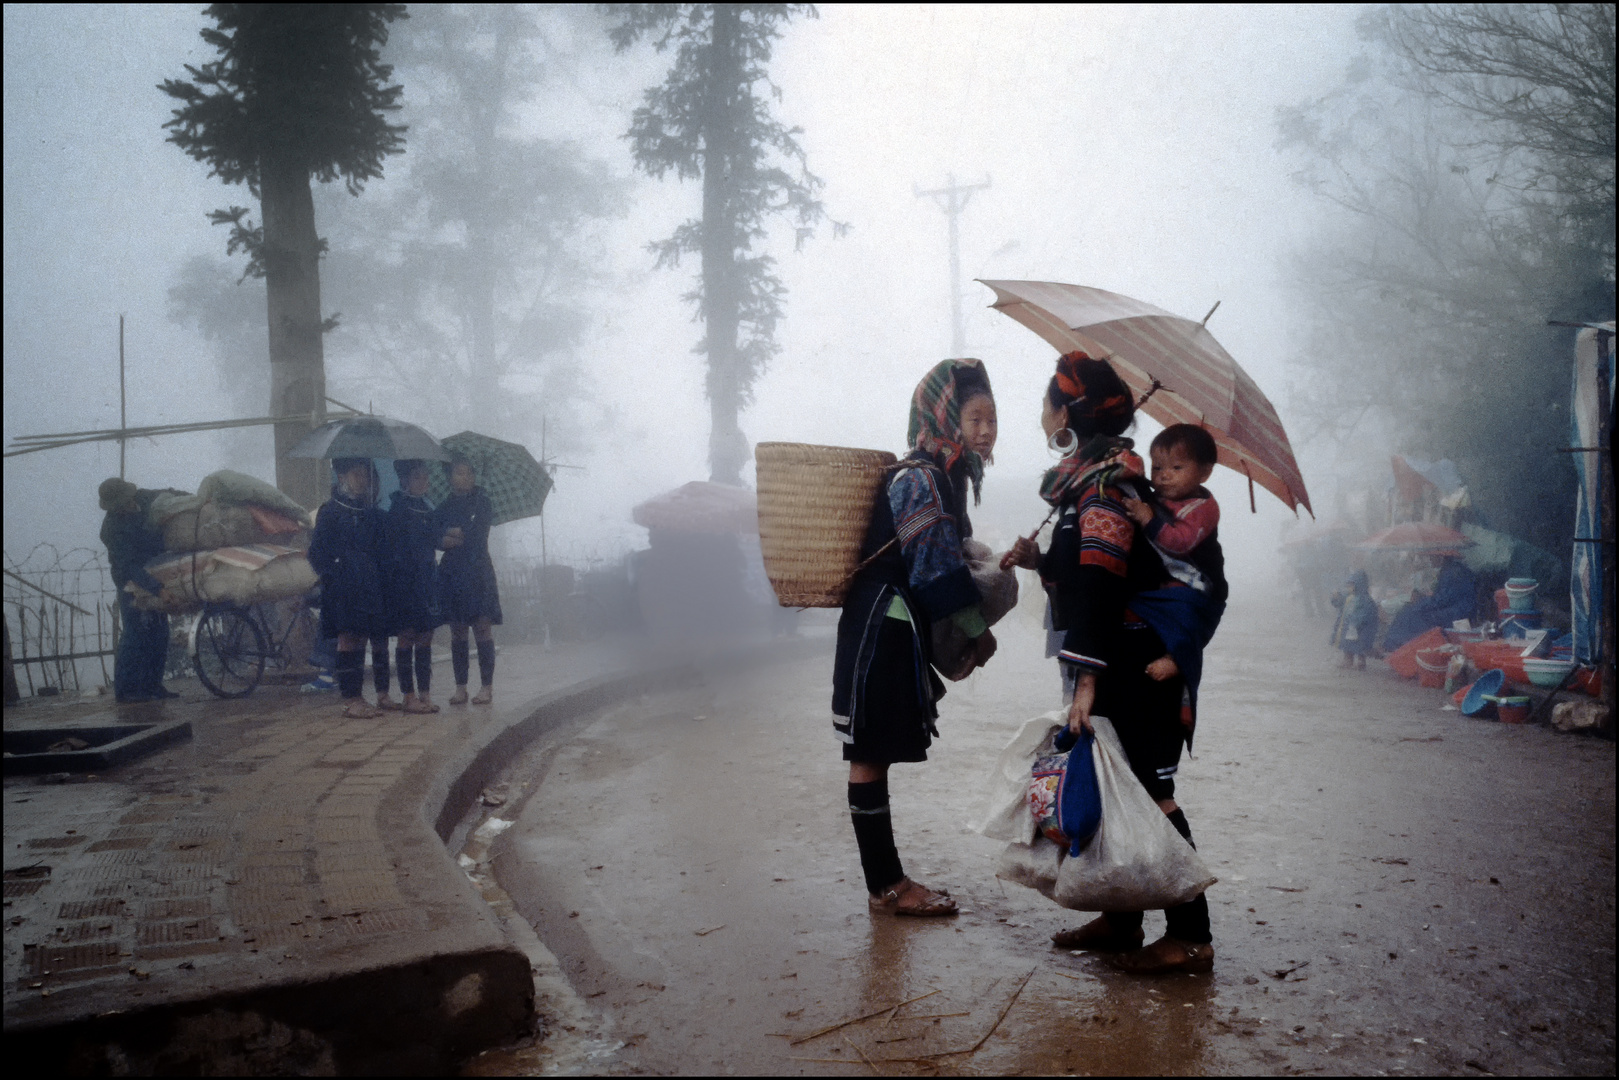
(231,652)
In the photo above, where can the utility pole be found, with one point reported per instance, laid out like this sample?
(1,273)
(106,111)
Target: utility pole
(952,199)
(123,406)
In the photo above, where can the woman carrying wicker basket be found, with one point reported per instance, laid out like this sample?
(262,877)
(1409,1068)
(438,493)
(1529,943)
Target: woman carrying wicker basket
(884,690)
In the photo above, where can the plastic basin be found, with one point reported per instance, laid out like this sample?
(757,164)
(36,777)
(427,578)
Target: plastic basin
(1546,674)
(1484,687)
(1512,710)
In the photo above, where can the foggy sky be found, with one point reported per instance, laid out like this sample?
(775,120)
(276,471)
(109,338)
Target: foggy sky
(1130,148)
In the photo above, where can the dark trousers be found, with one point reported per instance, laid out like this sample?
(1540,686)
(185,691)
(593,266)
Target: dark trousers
(143,649)
(1146,716)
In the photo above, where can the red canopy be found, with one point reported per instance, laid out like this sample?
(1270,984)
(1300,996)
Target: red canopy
(701,507)
(1422,537)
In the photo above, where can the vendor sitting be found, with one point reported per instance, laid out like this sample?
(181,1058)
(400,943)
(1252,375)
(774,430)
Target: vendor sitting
(1453,597)
(143,637)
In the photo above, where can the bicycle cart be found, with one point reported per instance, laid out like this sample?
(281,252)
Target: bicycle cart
(232,644)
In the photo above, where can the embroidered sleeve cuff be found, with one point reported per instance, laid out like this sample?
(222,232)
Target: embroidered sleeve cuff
(1070,657)
(971,621)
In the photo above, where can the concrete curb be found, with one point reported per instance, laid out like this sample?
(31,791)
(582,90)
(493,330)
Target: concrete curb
(420,1014)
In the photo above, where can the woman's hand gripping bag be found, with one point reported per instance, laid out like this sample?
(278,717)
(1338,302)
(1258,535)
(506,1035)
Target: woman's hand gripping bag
(1136,861)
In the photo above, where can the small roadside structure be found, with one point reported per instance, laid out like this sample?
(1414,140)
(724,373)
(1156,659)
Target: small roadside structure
(701,576)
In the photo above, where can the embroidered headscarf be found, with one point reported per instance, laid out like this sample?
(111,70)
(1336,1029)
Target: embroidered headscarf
(936,418)
(1100,408)
(1098,401)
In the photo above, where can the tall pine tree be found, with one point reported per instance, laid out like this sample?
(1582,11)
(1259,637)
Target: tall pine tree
(298,91)
(710,119)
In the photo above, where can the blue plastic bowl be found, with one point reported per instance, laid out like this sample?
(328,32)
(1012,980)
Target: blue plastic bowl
(1485,686)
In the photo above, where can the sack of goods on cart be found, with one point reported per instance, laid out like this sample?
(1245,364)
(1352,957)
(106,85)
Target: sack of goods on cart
(238,540)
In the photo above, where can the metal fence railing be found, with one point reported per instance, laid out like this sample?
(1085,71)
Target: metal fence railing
(61,621)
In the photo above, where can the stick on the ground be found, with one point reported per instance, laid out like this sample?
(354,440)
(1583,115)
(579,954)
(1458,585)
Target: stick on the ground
(863,1056)
(845,1023)
(1008,1008)
(973,1049)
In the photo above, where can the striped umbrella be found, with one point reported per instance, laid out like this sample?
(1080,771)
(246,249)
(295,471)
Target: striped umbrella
(1199,382)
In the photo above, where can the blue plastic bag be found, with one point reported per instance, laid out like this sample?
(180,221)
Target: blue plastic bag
(1079,798)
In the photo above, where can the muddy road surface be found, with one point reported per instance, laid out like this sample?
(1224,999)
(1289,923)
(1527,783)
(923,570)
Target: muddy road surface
(1402,891)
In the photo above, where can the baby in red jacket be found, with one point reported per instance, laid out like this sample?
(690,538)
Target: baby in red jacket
(1182,522)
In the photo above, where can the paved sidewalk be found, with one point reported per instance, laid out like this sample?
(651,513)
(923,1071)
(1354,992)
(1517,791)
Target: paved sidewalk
(276,894)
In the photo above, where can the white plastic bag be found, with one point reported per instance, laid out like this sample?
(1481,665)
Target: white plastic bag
(1007,816)
(1136,862)
(997,590)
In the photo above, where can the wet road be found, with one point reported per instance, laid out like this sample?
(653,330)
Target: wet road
(1402,890)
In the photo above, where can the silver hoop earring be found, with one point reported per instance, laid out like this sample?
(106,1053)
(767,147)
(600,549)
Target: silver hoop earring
(1063,442)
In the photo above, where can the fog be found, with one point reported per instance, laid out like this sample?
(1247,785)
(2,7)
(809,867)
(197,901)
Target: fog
(1131,148)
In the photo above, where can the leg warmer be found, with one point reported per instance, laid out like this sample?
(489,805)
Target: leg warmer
(350,672)
(486,661)
(459,657)
(407,685)
(874,832)
(424,668)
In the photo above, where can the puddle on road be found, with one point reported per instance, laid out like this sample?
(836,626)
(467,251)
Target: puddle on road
(698,885)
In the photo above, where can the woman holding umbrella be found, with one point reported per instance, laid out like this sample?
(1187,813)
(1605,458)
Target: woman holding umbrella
(468,594)
(1098,563)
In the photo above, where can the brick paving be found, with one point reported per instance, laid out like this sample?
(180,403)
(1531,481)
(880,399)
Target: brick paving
(282,843)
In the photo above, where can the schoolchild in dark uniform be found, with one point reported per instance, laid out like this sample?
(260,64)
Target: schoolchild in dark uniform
(468,596)
(344,551)
(884,691)
(410,585)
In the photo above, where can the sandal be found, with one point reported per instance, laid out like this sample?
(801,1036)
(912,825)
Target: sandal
(420,705)
(927,903)
(1167,955)
(459,697)
(388,704)
(484,696)
(362,709)
(1099,935)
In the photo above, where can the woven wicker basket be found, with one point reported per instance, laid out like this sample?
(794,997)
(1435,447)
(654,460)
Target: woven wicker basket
(814,507)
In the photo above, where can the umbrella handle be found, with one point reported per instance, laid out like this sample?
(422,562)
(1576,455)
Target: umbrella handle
(1005,564)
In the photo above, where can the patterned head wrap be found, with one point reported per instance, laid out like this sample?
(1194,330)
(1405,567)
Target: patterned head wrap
(936,418)
(1100,408)
(1097,399)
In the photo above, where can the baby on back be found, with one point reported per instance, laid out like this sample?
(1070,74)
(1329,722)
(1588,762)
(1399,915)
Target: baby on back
(1182,520)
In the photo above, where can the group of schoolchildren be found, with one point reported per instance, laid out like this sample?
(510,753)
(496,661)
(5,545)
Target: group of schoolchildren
(382,577)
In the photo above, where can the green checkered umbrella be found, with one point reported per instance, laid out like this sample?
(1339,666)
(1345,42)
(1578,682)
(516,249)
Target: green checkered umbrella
(516,484)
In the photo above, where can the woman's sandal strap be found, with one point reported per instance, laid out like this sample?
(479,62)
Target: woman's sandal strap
(935,902)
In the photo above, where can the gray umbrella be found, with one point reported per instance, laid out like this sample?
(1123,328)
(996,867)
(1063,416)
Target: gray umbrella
(369,437)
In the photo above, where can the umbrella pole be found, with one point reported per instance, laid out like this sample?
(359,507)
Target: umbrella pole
(1006,565)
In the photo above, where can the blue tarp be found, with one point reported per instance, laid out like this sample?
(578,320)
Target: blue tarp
(1592,393)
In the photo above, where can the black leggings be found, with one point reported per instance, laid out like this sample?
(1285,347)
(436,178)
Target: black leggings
(1146,714)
